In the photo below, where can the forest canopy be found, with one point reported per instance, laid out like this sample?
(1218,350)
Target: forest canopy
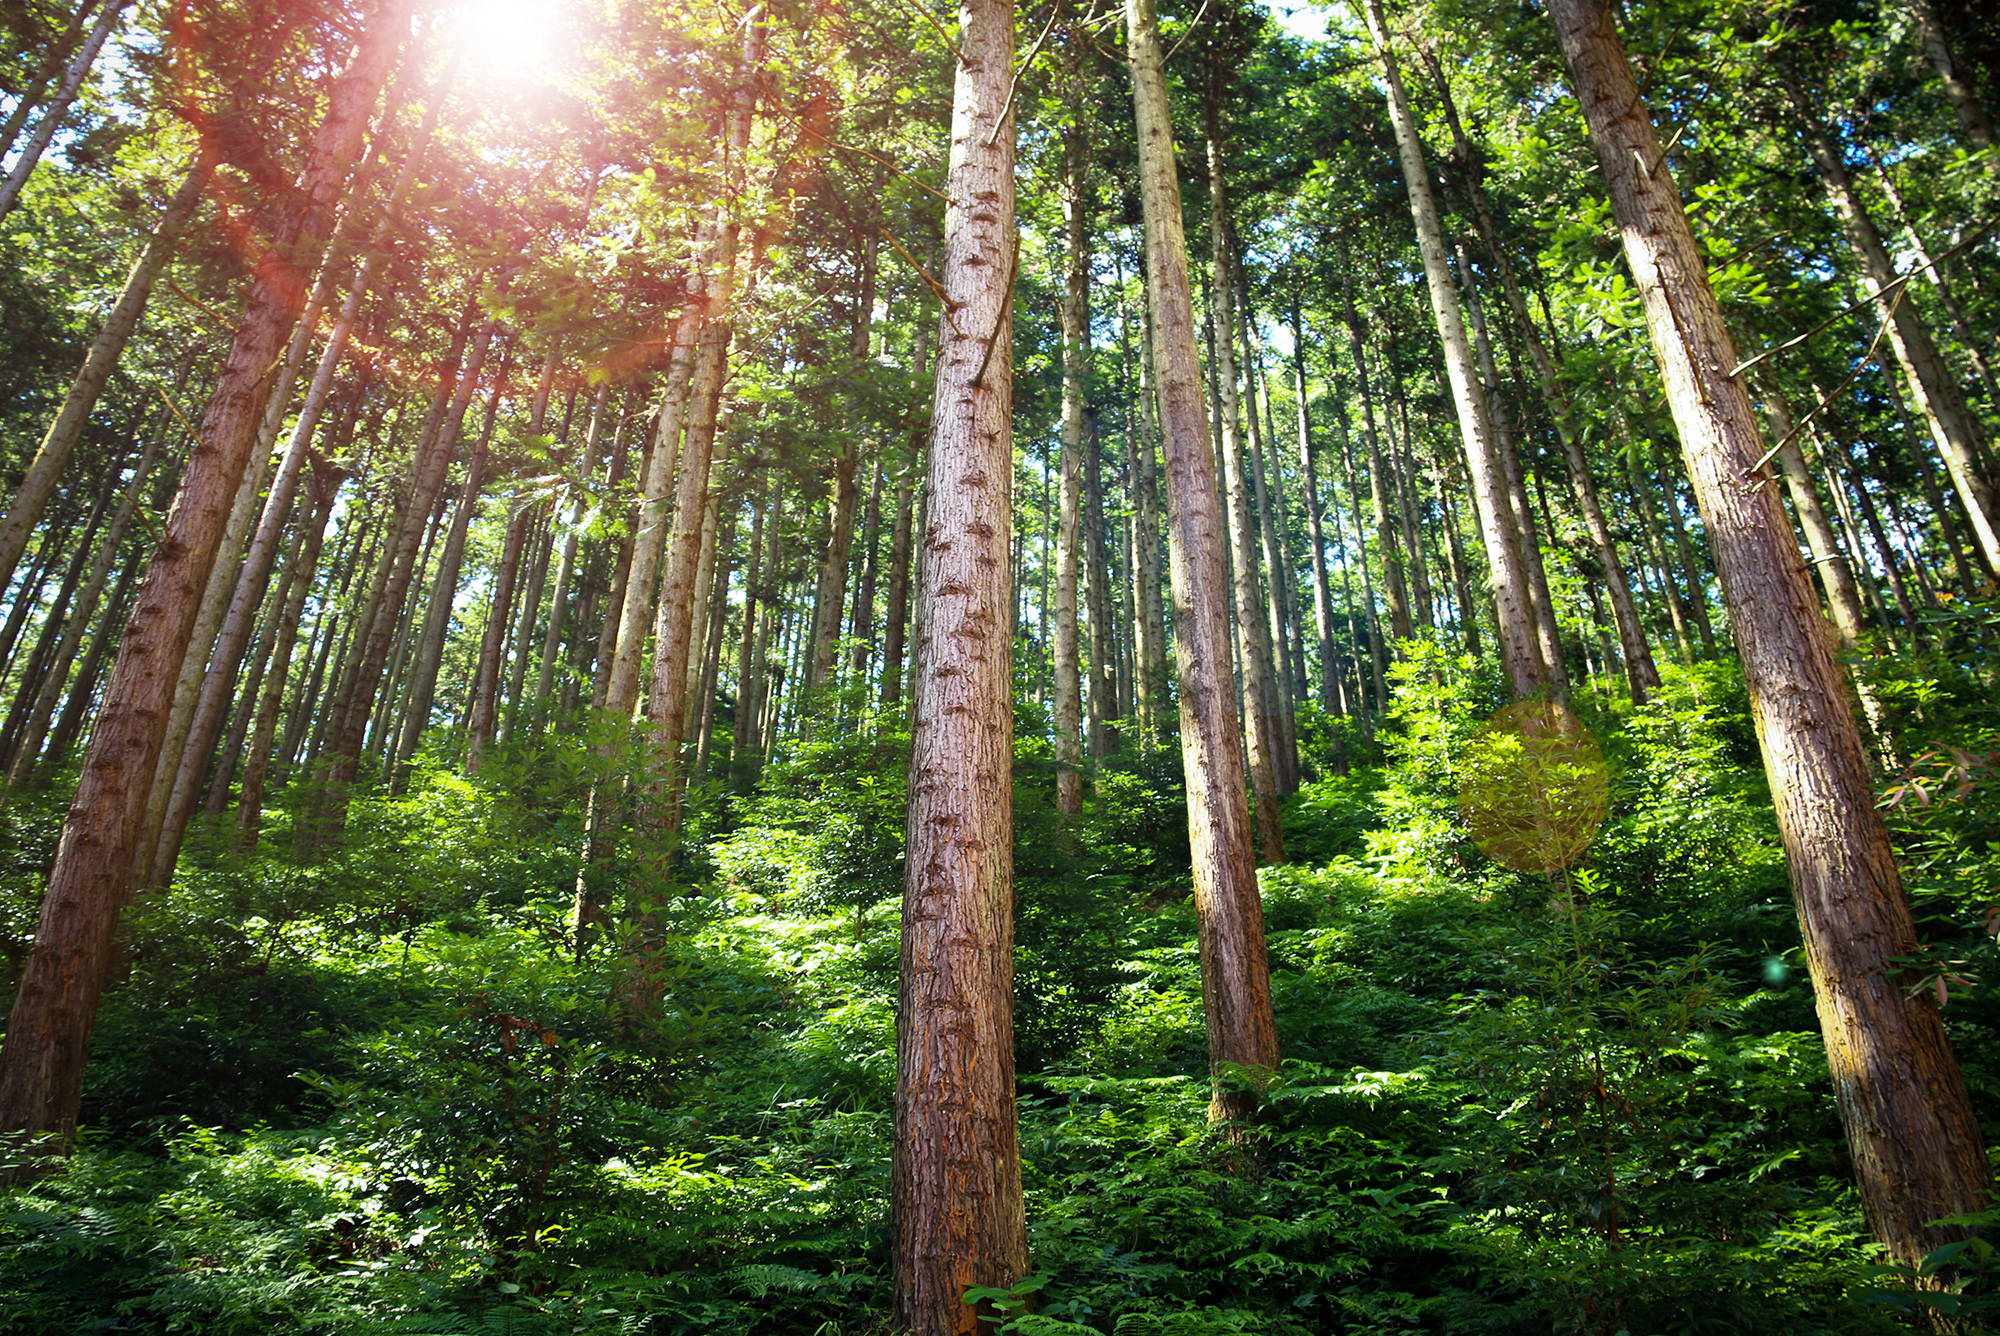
(824,668)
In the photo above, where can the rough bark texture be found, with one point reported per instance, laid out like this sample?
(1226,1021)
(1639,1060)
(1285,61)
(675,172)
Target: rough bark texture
(1235,973)
(48,1032)
(1910,1126)
(957,1209)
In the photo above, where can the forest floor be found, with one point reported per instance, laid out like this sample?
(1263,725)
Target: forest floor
(380,1093)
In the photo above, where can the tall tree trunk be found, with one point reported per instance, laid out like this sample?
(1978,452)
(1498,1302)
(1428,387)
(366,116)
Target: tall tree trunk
(1395,592)
(1229,917)
(1073,307)
(35,730)
(956,1206)
(1253,645)
(55,55)
(1642,673)
(1521,652)
(1910,1124)
(680,591)
(48,1031)
(1951,424)
(444,593)
(401,560)
(321,488)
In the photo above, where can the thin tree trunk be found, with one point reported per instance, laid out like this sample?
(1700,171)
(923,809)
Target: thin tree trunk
(1073,308)
(1260,705)
(321,488)
(39,484)
(1235,973)
(1521,652)
(1950,422)
(57,107)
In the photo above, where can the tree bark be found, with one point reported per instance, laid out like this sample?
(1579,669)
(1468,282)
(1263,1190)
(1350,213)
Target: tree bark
(1910,1125)
(1073,307)
(957,1213)
(1253,646)
(1521,652)
(1943,407)
(58,106)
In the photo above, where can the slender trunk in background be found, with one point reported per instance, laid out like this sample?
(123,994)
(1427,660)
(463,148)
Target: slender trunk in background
(1950,423)
(321,488)
(1958,89)
(1315,531)
(956,1213)
(845,497)
(53,457)
(57,107)
(424,663)
(54,56)
(1642,673)
(545,670)
(35,730)
(1910,1124)
(1395,592)
(742,725)
(401,560)
(48,1032)
(1229,916)
(1106,707)
(691,537)
(1521,651)
(1073,308)
(1253,649)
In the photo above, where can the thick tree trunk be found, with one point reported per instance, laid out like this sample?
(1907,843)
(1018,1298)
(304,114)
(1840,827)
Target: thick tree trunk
(48,1032)
(1235,973)
(1910,1124)
(957,1214)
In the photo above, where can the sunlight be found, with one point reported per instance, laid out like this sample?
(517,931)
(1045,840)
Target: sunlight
(513,41)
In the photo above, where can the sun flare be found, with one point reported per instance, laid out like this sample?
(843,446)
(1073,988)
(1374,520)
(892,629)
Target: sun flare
(513,41)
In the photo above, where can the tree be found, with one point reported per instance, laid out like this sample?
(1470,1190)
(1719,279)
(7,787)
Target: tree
(48,1031)
(958,1216)
(1235,973)
(1910,1126)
